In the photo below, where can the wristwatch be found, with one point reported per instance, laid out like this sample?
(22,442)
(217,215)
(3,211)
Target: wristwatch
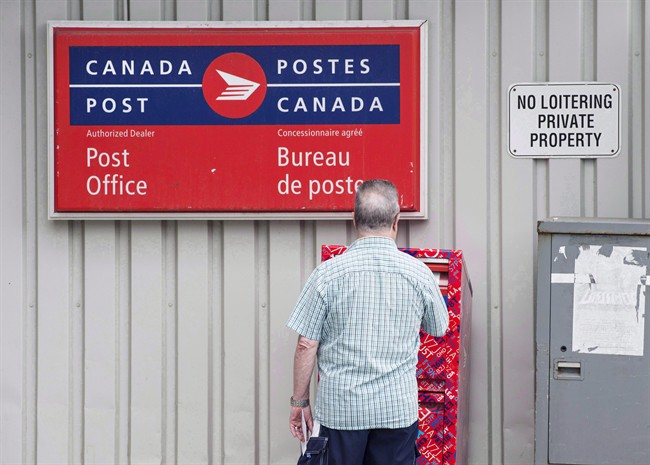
(299,403)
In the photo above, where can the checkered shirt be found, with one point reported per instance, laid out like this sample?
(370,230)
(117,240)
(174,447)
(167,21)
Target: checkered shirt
(366,308)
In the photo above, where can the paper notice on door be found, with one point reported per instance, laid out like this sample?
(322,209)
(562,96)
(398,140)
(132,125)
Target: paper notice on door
(609,300)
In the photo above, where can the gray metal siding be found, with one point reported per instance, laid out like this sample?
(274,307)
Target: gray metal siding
(164,341)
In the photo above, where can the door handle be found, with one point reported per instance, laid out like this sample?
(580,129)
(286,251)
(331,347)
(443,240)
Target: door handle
(568,370)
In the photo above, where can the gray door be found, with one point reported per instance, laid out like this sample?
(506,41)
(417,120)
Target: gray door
(599,390)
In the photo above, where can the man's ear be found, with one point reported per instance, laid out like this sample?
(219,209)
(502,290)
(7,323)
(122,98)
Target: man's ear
(395,221)
(354,221)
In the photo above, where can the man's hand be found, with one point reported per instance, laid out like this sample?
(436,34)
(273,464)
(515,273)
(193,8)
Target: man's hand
(295,423)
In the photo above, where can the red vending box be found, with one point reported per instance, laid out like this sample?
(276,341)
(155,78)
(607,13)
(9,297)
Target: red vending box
(443,362)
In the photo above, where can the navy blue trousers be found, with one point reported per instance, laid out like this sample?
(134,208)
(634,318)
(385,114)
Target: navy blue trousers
(372,447)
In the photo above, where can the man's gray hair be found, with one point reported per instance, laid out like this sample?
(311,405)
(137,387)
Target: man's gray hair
(376,205)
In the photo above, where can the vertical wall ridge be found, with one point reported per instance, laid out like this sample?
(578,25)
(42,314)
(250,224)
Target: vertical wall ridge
(645,59)
(30,325)
(211,342)
(122,342)
(76,309)
(645,92)
(540,73)
(636,132)
(447,217)
(588,58)
(170,342)
(262,341)
(494,239)
(217,351)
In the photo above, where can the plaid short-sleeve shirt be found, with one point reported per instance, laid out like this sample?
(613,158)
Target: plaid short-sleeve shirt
(366,307)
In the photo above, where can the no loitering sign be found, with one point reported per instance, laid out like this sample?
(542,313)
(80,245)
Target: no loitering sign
(560,120)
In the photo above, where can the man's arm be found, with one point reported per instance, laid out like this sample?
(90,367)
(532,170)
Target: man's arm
(303,366)
(436,315)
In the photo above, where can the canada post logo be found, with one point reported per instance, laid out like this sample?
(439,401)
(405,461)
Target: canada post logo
(234,85)
(252,85)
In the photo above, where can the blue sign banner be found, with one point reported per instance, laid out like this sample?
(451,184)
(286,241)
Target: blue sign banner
(228,85)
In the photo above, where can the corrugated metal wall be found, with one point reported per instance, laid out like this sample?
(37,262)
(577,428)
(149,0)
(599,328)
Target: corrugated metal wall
(164,341)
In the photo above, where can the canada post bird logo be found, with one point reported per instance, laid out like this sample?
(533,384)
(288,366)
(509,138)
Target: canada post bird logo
(238,87)
(234,85)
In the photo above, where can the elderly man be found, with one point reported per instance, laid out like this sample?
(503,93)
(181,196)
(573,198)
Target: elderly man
(359,315)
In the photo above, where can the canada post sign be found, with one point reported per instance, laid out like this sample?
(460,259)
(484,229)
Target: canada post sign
(234,120)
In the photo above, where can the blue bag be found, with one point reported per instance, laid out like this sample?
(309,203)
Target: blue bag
(315,452)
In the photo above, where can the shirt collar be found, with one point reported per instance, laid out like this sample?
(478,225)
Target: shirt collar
(369,242)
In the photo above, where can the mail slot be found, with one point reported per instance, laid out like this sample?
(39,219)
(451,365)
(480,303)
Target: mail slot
(440,269)
(443,363)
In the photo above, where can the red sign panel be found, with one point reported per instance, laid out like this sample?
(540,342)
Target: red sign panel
(240,120)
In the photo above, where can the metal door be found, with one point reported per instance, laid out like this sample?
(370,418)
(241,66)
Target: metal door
(599,388)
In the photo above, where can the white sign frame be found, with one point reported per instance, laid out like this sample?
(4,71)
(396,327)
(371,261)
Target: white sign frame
(420,214)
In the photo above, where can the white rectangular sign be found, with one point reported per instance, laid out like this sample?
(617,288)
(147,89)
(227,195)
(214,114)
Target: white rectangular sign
(564,120)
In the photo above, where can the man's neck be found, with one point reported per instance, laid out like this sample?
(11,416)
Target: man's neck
(388,234)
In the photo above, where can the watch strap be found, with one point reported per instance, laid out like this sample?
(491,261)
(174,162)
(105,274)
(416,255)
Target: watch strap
(302,403)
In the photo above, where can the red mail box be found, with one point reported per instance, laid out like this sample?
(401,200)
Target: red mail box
(443,363)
